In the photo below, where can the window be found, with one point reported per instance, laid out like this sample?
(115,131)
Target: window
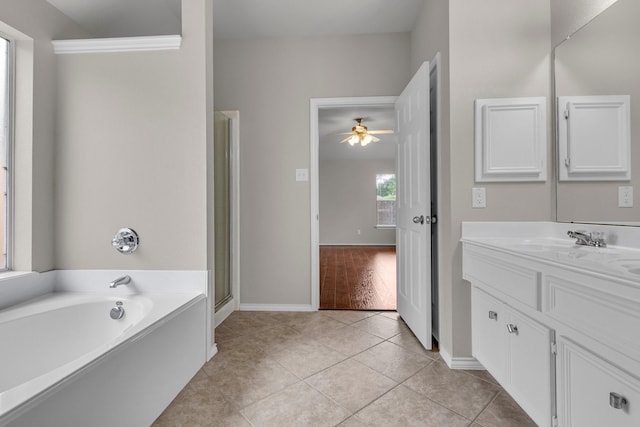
(5,145)
(386,200)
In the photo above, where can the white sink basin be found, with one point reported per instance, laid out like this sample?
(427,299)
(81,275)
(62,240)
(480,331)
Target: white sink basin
(631,265)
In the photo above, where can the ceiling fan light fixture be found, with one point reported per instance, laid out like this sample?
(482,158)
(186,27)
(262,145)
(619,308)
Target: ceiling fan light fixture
(361,134)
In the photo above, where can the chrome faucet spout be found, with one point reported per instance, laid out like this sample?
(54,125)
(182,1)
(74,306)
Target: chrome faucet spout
(124,280)
(588,239)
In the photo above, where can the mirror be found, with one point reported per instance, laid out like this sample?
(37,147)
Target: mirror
(601,59)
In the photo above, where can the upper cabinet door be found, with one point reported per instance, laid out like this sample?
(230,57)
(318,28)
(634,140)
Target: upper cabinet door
(594,138)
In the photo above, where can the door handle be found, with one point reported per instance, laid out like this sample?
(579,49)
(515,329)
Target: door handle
(513,329)
(422,219)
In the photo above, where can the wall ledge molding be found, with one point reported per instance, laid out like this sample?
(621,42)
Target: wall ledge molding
(117,44)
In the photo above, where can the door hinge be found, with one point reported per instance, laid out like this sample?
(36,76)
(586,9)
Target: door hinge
(567,161)
(566,114)
(554,348)
(554,421)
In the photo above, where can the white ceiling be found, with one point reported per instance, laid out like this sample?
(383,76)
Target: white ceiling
(286,18)
(123,18)
(332,121)
(245,18)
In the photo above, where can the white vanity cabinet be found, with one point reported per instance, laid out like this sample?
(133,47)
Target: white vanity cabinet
(593,392)
(516,350)
(560,331)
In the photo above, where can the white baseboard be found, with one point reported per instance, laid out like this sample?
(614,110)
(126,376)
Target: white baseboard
(224,312)
(275,307)
(469,363)
(213,350)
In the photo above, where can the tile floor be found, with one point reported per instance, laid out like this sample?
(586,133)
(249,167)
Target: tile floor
(329,368)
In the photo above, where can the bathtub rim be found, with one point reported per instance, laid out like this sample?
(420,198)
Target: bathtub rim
(13,402)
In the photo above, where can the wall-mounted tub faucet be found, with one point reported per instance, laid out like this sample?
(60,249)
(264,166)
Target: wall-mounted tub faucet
(124,280)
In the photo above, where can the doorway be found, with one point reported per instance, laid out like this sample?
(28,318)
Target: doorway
(340,153)
(434,144)
(357,207)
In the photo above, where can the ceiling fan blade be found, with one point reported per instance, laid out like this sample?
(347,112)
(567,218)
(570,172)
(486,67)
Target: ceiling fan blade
(374,139)
(344,133)
(381,132)
(345,140)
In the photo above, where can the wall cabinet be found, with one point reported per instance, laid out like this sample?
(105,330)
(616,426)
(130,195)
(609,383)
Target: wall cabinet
(563,343)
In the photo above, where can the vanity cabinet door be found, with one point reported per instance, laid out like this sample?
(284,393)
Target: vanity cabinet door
(592,392)
(488,333)
(531,365)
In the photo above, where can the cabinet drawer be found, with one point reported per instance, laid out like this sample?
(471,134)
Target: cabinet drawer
(596,308)
(586,384)
(504,274)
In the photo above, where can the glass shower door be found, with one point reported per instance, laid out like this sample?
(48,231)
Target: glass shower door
(222,208)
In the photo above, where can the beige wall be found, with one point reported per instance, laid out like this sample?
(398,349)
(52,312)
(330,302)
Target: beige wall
(271,81)
(429,37)
(39,23)
(348,201)
(496,49)
(132,141)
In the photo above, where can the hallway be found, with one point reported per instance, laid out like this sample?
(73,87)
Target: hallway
(358,277)
(329,368)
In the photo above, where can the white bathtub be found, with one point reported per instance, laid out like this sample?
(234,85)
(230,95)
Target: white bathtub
(65,362)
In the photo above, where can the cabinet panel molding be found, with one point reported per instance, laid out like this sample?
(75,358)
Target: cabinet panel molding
(511,139)
(594,138)
(585,384)
(612,320)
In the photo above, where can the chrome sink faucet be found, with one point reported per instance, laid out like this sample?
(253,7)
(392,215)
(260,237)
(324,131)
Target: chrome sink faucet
(124,280)
(595,238)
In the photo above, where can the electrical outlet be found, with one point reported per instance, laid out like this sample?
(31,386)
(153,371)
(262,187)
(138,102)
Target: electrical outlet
(478,197)
(625,197)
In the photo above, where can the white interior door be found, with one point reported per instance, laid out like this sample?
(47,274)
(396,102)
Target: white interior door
(413,198)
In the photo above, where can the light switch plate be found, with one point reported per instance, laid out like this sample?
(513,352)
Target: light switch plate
(302,174)
(625,197)
(478,197)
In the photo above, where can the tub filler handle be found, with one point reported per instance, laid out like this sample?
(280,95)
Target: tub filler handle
(118,311)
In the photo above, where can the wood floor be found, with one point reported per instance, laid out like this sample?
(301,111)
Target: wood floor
(358,277)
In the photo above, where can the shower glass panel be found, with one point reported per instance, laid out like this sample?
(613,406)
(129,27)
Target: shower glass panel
(222,204)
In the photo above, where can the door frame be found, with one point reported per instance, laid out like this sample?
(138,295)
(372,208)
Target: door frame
(315,105)
(435,68)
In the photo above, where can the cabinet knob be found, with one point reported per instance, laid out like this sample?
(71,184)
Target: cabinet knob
(617,401)
(513,329)
(493,315)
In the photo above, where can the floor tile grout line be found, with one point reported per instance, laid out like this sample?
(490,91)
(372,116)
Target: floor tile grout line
(486,406)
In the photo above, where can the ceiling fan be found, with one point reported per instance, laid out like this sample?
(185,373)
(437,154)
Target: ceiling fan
(361,134)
